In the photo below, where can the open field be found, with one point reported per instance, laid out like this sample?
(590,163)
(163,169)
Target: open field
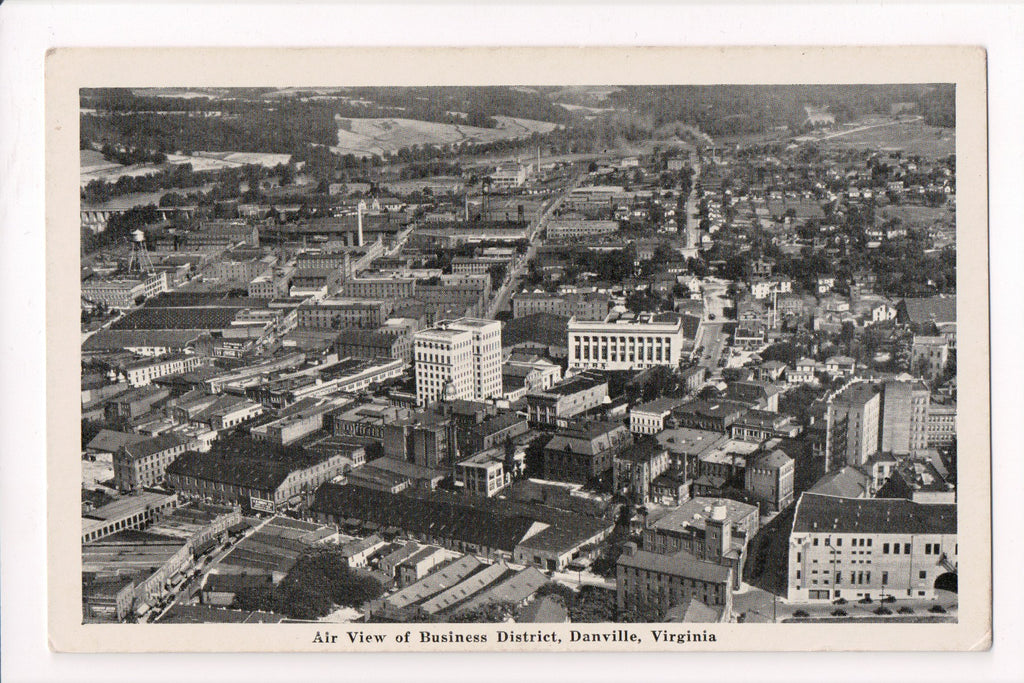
(913,216)
(95,167)
(385,136)
(910,136)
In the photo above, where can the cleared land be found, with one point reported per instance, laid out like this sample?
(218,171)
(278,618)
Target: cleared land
(94,167)
(908,136)
(385,136)
(913,216)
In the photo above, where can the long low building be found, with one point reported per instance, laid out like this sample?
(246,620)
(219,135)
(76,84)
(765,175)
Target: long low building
(255,476)
(459,527)
(870,547)
(527,534)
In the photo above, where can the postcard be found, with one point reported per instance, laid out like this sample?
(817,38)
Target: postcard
(518,349)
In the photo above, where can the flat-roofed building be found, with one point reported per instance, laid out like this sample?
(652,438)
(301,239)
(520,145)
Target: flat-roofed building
(589,306)
(135,511)
(649,417)
(141,373)
(557,405)
(338,313)
(904,415)
(941,424)
(458,359)
(123,293)
(769,478)
(928,356)
(852,423)
(562,228)
(483,474)
(626,344)
(380,287)
(715,530)
(156,563)
(379,343)
(760,425)
(637,466)
(870,547)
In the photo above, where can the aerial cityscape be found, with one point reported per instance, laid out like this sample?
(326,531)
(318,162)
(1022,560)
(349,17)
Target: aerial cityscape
(578,354)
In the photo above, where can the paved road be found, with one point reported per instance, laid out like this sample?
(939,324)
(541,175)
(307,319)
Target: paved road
(182,595)
(504,293)
(711,340)
(762,606)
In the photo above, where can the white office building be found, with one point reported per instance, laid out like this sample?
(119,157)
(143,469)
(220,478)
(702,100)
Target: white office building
(458,359)
(625,343)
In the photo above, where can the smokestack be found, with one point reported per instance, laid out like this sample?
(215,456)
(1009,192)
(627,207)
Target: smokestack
(359,225)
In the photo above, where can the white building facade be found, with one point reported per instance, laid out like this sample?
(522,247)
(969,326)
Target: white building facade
(465,353)
(625,344)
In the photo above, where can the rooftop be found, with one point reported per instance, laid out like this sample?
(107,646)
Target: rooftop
(658,406)
(819,513)
(694,513)
(681,564)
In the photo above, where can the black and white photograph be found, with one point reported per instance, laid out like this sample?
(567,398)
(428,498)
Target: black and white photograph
(493,354)
(556,366)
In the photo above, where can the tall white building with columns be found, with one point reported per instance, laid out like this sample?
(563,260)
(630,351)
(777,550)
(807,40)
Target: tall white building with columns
(458,359)
(625,343)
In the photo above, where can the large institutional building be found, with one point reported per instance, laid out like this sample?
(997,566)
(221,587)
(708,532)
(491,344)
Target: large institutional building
(870,547)
(625,343)
(458,359)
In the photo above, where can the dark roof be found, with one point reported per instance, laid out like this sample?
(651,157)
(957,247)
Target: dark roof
(153,445)
(246,463)
(178,318)
(376,338)
(110,440)
(105,340)
(205,614)
(428,517)
(681,563)
(847,482)
(232,583)
(750,391)
(819,513)
(933,309)
(774,460)
(544,610)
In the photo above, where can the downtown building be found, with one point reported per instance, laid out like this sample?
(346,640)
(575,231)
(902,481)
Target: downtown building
(625,343)
(458,359)
(854,548)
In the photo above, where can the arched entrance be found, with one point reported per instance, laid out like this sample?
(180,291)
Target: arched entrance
(946,582)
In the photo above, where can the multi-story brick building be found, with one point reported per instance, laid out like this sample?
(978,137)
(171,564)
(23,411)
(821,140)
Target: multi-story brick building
(904,409)
(141,373)
(142,463)
(769,478)
(339,313)
(852,421)
(590,306)
(710,529)
(941,424)
(554,407)
(380,287)
(654,583)
(582,451)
